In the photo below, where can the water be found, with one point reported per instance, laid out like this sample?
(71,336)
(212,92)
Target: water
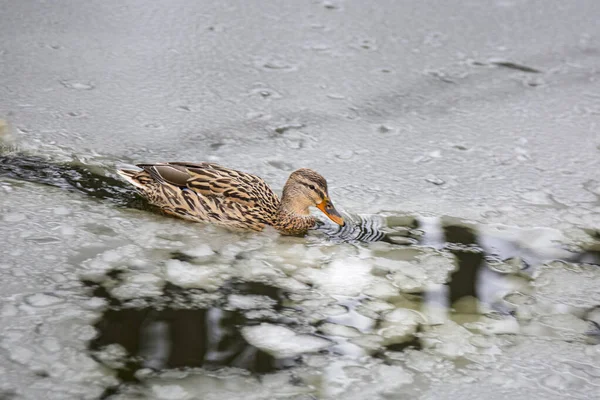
(380,287)
(460,141)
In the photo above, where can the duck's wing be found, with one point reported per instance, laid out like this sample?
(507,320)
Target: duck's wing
(217,182)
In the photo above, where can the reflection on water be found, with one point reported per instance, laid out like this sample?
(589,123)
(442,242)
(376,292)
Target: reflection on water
(176,335)
(174,338)
(68,176)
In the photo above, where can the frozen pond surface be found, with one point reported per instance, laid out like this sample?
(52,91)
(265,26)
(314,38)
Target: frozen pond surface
(460,138)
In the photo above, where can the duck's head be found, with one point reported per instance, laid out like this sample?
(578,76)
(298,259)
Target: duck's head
(305,188)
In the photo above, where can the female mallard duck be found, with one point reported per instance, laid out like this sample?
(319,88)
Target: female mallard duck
(207,192)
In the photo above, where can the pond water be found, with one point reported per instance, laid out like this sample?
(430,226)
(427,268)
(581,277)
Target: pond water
(460,142)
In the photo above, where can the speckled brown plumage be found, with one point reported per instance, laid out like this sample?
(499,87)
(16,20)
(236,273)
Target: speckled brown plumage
(206,192)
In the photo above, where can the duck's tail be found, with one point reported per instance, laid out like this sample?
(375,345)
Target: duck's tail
(131,176)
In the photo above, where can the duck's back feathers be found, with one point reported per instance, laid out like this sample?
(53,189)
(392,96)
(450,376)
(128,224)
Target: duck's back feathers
(207,192)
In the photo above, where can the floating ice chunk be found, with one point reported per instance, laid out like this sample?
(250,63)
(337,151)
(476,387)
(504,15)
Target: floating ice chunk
(258,270)
(112,355)
(384,266)
(400,325)
(346,379)
(449,340)
(538,198)
(407,284)
(301,255)
(339,330)
(372,308)
(170,392)
(43,300)
(96,268)
(371,343)
(333,310)
(564,326)
(187,275)
(95,304)
(497,326)
(139,285)
(290,284)
(568,284)
(200,253)
(249,302)
(348,276)
(282,342)
(382,290)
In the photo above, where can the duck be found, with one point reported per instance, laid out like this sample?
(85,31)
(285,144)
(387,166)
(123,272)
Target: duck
(210,193)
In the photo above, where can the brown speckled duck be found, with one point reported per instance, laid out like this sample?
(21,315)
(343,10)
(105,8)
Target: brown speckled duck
(207,192)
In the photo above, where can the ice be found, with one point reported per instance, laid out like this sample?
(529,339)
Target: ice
(339,330)
(347,380)
(187,275)
(77,85)
(415,275)
(200,253)
(372,308)
(269,99)
(170,392)
(564,326)
(538,198)
(228,384)
(496,326)
(568,284)
(370,343)
(282,342)
(136,285)
(347,276)
(112,355)
(62,211)
(381,289)
(43,300)
(96,268)
(449,340)
(13,217)
(249,302)
(400,325)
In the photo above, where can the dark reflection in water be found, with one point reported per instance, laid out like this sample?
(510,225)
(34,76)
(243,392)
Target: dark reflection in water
(463,281)
(169,336)
(175,338)
(69,176)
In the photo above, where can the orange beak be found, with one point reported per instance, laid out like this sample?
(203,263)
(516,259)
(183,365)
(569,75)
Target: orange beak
(328,209)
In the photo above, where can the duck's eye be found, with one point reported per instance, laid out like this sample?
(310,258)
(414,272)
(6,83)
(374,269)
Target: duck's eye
(312,187)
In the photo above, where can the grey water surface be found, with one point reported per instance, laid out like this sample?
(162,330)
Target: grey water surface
(460,138)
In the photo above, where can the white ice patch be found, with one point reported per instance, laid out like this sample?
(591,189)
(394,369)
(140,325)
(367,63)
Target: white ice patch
(187,275)
(202,252)
(400,325)
(348,276)
(249,302)
(282,342)
(43,300)
(449,340)
(136,285)
(560,283)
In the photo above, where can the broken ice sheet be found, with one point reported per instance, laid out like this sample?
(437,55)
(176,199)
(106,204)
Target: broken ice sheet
(188,275)
(249,302)
(348,276)
(282,342)
(568,284)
